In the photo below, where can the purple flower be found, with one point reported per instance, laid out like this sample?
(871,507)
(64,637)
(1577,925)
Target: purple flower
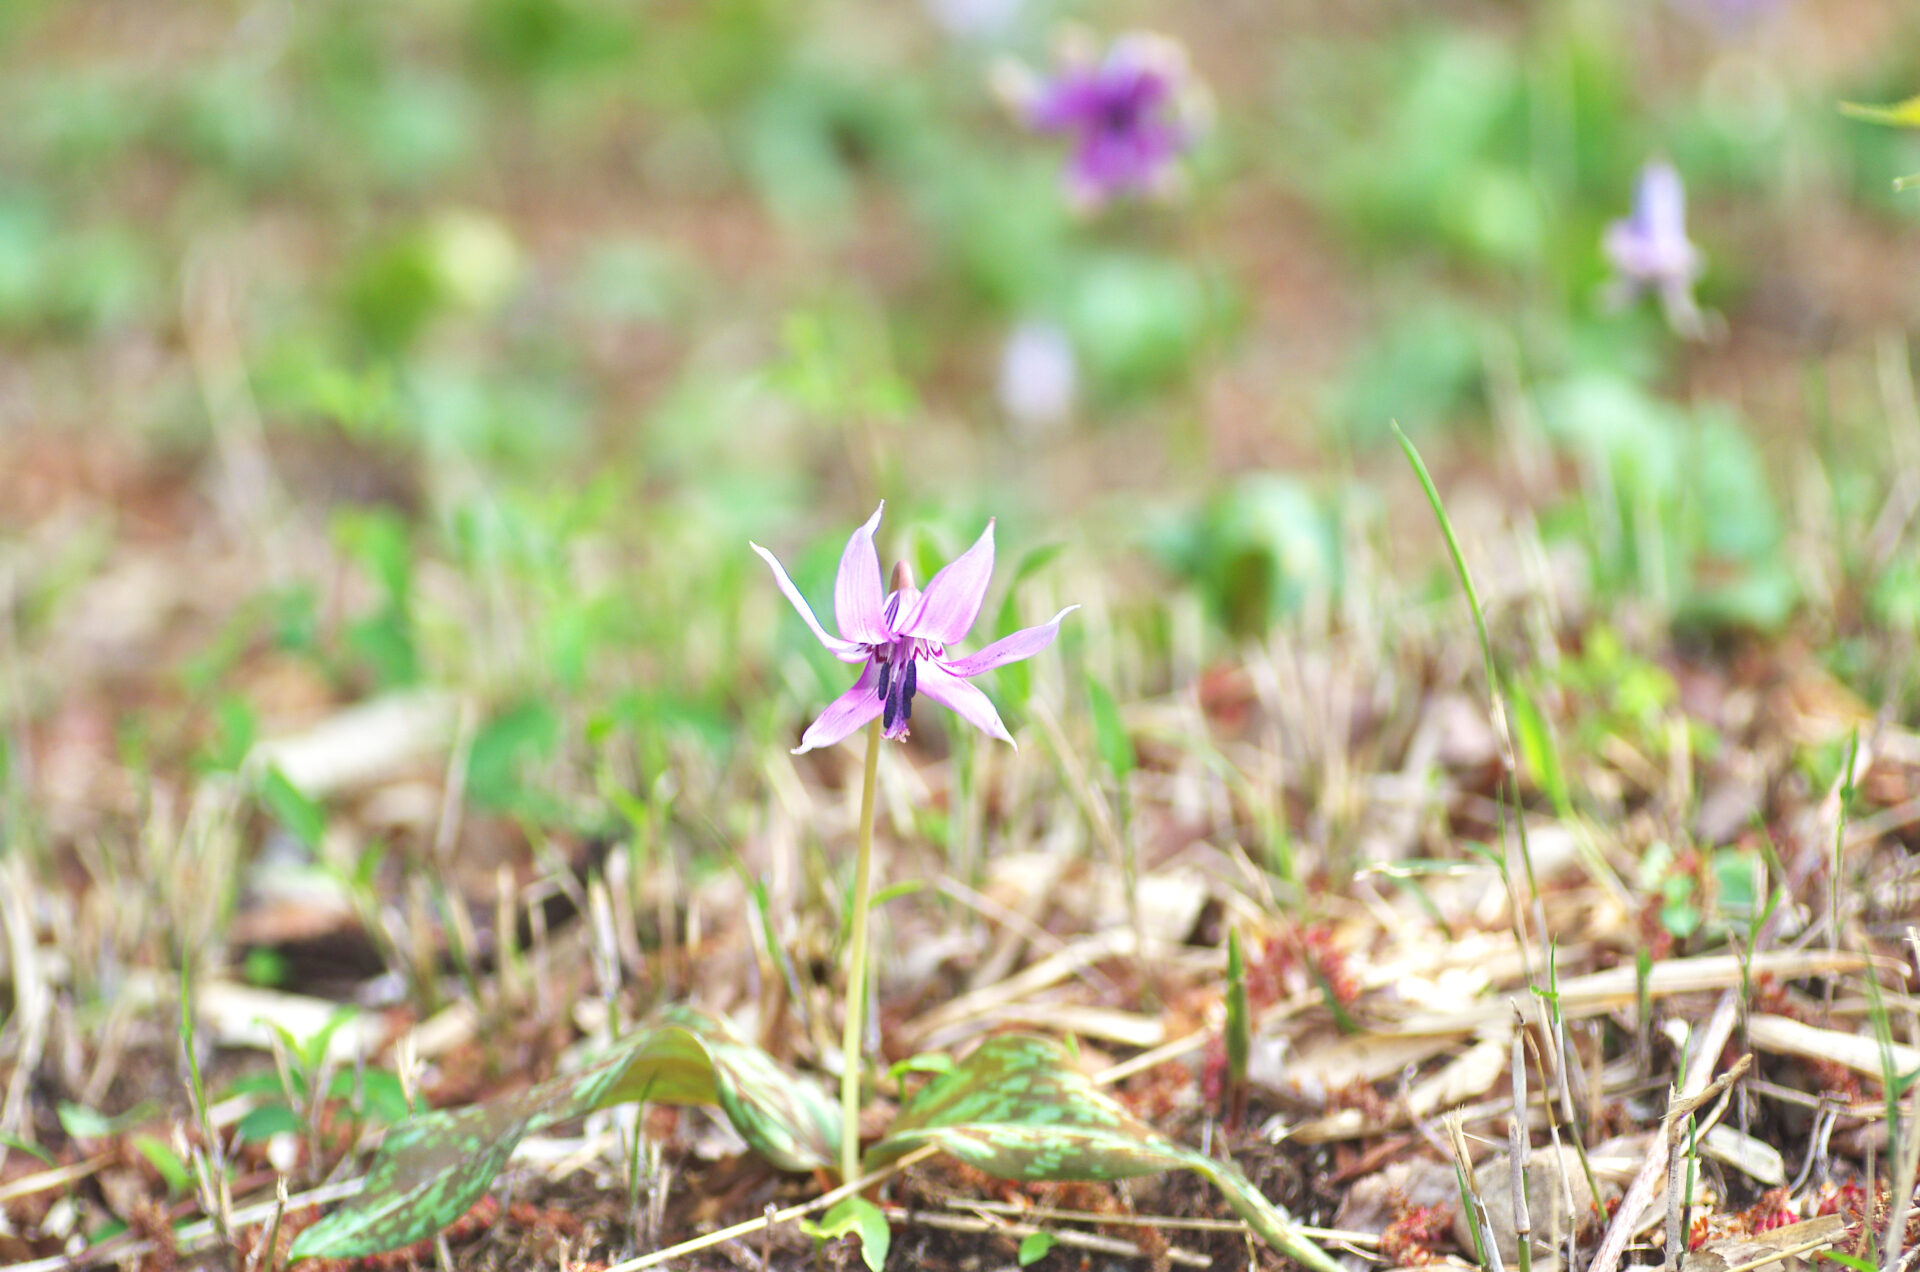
(902,639)
(1131,114)
(978,19)
(1039,376)
(1729,17)
(1650,250)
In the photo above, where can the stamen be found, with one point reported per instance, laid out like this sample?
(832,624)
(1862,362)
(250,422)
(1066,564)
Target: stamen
(911,664)
(886,674)
(889,713)
(906,693)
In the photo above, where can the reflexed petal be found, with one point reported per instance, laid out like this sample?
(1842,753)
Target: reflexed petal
(961,698)
(1660,202)
(1022,644)
(846,713)
(844,650)
(952,599)
(856,588)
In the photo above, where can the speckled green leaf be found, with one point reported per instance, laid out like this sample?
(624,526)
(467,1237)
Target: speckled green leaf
(433,1167)
(1016,1108)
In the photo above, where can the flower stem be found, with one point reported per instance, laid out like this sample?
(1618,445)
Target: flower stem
(850,1039)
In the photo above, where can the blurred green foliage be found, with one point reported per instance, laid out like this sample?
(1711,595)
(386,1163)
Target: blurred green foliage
(571,298)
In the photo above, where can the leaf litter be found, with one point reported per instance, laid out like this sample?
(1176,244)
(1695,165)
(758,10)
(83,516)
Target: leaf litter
(1394,1007)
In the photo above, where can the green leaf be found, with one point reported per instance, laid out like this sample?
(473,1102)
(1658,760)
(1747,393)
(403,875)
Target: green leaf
(1538,752)
(1018,1109)
(862,1218)
(166,1161)
(83,1123)
(433,1167)
(504,747)
(1110,731)
(292,807)
(381,1094)
(1035,1246)
(13,1143)
(1904,114)
(263,1123)
(1852,1261)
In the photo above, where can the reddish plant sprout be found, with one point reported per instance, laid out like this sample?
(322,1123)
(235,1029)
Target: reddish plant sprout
(1361,1096)
(1410,1240)
(1300,961)
(1831,1078)
(1848,1200)
(1772,1210)
(1213,1073)
(1654,937)
(1331,963)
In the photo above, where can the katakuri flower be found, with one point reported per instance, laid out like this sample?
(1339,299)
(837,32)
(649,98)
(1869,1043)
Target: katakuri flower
(1131,115)
(902,638)
(1649,249)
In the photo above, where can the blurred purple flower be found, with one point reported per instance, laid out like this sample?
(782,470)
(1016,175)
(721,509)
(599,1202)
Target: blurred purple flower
(1649,249)
(1729,17)
(1039,377)
(1131,114)
(902,639)
(975,19)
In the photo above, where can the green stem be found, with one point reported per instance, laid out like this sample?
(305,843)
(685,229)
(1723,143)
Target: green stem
(850,1040)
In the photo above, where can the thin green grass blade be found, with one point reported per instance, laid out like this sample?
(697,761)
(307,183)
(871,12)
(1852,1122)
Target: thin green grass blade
(1017,1109)
(434,1166)
(1904,114)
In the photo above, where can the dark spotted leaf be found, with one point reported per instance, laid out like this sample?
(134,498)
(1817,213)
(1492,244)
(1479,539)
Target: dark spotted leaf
(434,1166)
(1016,1108)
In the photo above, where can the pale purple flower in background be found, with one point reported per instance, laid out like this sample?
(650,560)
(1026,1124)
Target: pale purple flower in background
(1039,377)
(974,19)
(902,639)
(1131,115)
(1728,17)
(1649,249)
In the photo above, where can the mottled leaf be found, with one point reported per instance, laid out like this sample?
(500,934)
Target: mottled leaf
(434,1166)
(1017,1109)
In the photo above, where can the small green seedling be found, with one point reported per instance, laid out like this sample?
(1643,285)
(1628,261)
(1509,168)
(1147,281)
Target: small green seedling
(863,1219)
(1238,1030)
(1035,1246)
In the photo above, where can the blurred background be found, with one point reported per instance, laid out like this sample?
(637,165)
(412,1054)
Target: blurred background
(447,355)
